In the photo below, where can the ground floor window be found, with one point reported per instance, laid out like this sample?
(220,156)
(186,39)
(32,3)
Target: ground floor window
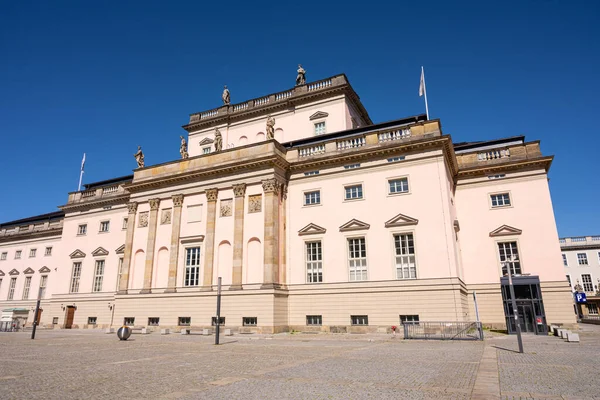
(214,321)
(314,320)
(184,321)
(129,321)
(249,321)
(592,309)
(359,319)
(92,320)
(153,321)
(55,321)
(409,318)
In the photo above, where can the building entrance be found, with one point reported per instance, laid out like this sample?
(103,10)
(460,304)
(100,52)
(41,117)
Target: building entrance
(530,305)
(69,317)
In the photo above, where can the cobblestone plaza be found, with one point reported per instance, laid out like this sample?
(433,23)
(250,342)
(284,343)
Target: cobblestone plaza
(91,364)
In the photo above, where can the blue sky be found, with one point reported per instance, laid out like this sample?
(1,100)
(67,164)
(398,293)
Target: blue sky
(104,77)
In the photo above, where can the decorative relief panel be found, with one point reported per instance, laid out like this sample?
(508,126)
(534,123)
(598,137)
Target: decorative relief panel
(143,220)
(226,208)
(165,217)
(255,203)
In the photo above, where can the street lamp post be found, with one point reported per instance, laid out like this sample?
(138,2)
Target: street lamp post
(507,264)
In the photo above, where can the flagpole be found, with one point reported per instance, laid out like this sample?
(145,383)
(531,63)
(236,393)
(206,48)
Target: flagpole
(425,92)
(81,173)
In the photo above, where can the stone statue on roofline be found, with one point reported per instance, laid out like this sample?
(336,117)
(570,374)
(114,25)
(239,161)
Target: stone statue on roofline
(139,157)
(218,140)
(226,96)
(183,148)
(270,127)
(301,77)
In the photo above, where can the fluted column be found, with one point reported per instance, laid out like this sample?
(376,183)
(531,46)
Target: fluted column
(174,253)
(271,239)
(209,246)
(239,191)
(154,204)
(124,282)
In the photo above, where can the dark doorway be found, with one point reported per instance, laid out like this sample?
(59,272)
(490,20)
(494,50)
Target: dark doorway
(39,317)
(69,317)
(530,305)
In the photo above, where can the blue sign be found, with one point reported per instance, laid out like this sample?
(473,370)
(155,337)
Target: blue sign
(580,298)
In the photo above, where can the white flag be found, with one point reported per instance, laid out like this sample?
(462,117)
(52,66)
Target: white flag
(422,84)
(83,162)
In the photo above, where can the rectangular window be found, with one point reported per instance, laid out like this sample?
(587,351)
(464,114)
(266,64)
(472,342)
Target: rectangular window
(206,150)
(194,213)
(11,288)
(92,320)
(409,318)
(32,253)
(184,321)
(320,128)
(498,176)
(500,200)
(395,159)
(353,192)
(314,262)
(129,321)
(249,321)
(569,279)
(588,286)
(599,257)
(119,271)
(104,226)
(314,320)
(311,173)
(351,166)
(592,308)
(17,254)
(509,256)
(405,256)
(398,185)
(153,321)
(43,284)
(3,256)
(582,259)
(98,276)
(75,276)
(124,223)
(54,320)
(82,229)
(192,266)
(357,259)
(26,287)
(213,321)
(313,197)
(48,251)
(359,319)
(565,262)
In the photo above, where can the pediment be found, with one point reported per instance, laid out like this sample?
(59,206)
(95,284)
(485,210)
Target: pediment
(14,272)
(100,251)
(1,273)
(29,271)
(505,230)
(44,270)
(401,220)
(354,225)
(311,229)
(120,250)
(77,254)
(318,114)
(206,141)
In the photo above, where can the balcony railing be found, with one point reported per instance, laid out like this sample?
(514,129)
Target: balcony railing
(580,241)
(311,150)
(493,155)
(261,101)
(351,143)
(319,85)
(396,134)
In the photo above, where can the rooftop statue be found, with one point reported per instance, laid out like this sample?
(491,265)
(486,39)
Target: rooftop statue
(139,157)
(183,148)
(226,96)
(301,77)
(270,127)
(218,140)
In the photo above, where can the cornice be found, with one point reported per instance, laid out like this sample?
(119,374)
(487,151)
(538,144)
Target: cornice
(31,235)
(580,247)
(522,164)
(88,205)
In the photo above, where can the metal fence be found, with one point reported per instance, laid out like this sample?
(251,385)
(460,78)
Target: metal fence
(443,330)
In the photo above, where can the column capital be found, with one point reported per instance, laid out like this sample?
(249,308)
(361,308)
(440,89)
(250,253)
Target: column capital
(154,203)
(132,207)
(177,200)
(271,185)
(212,194)
(239,190)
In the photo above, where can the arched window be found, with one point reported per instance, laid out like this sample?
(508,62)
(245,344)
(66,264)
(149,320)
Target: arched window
(254,261)
(260,137)
(243,140)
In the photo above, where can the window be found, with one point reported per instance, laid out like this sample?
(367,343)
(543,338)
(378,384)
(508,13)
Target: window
(395,159)
(17,254)
(26,287)
(592,308)
(213,321)
(54,320)
(319,128)
(98,276)
(3,256)
(311,198)
(359,319)
(119,271)
(129,321)
(582,259)
(48,251)
(124,223)
(314,262)
(43,284)
(498,176)
(500,200)
(357,259)
(249,321)
(104,226)
(92,320)
(310,173)
(409,318)
(82,229)
(194,213)
(569,279)
(398,185)
(353,192)
(588,286)
(75,275)
(405,256)
(184,321)
(314,320)
(153,321)
(509,255)
(565,262)
(11,288)
(599,257)
(192,266)
(206,150)
(351,166)
(32,253)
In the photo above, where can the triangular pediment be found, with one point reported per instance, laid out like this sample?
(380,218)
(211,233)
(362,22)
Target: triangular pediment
(318,114)
(505,230)
(1,273)
(120,250)
(206,141)
(44,270)
(401,220)
(354,225)
(77,254)
(311,229)
(14,272)
(29,271)
(100,251)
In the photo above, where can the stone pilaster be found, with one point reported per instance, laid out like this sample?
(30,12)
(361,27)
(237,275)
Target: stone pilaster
(154,204)
(209,246)
(271,188)
(174,253)
(124,282)
(239,191)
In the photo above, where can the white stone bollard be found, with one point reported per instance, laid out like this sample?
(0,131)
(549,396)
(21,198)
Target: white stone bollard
(165,331)
(145,331)
(110,330)
(572,337)
(228,332)
(185,331)
(205,332)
